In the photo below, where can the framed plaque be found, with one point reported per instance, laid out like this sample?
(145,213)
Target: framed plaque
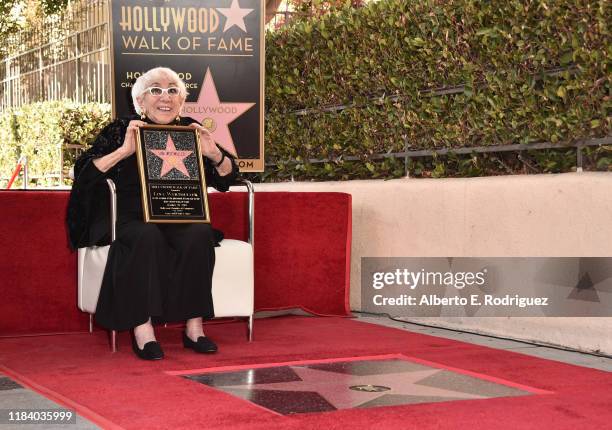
(171,175)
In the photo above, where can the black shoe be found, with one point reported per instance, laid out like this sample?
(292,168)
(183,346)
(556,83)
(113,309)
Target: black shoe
(203,345)
(151,351)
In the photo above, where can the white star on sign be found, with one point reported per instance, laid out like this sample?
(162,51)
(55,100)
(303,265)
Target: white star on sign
(235,15)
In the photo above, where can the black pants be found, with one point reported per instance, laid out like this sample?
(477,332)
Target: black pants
(163,271)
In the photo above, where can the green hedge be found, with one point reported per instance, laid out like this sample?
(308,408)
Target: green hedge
(9,150)
(499,50)
(43,132)
(529,71)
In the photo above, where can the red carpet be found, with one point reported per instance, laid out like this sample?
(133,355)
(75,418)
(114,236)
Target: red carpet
(119,390)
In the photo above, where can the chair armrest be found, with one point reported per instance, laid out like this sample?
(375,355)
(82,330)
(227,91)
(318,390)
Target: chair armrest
(251,190)
(113,208)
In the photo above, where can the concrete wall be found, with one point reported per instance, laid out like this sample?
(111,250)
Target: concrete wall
(563,215)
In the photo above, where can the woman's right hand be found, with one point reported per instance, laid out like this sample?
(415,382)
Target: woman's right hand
(129,143)
(124,151)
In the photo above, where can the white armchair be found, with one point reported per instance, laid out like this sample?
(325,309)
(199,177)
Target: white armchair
(233,276)
(233,283)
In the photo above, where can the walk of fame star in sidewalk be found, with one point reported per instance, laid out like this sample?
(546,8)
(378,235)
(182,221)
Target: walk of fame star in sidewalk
(331,386)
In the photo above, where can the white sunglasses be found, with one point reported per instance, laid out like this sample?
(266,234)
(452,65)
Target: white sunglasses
(157,91)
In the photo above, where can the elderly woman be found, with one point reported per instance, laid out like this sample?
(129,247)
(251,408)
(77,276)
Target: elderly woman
(154,271)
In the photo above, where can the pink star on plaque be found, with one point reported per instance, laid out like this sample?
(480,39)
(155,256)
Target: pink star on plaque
(215,115)
(172,158)
(235,16)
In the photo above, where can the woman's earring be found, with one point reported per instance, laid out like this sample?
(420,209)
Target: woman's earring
(143,115)
(178,118)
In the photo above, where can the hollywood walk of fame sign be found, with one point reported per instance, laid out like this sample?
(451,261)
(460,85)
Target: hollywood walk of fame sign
(215,46)
(171,175)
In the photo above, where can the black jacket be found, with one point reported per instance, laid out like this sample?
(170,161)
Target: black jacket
(88,214)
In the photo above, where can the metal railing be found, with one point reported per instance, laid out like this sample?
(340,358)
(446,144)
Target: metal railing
(64,57)
(407,155)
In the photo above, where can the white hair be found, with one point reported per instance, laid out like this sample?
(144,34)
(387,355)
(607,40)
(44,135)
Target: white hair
(147,78)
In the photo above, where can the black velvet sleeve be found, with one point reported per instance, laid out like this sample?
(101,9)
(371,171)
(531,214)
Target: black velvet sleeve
(109,139)
(214,179)
(89,187)
(89,196)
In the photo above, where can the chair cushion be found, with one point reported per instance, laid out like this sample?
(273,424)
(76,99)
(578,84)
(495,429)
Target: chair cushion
(91,264)
(233,279)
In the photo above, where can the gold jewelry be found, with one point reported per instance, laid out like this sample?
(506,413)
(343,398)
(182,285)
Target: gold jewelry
(178,118)
(143,114)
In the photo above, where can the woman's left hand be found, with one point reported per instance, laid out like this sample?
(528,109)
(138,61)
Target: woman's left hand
(208,148)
